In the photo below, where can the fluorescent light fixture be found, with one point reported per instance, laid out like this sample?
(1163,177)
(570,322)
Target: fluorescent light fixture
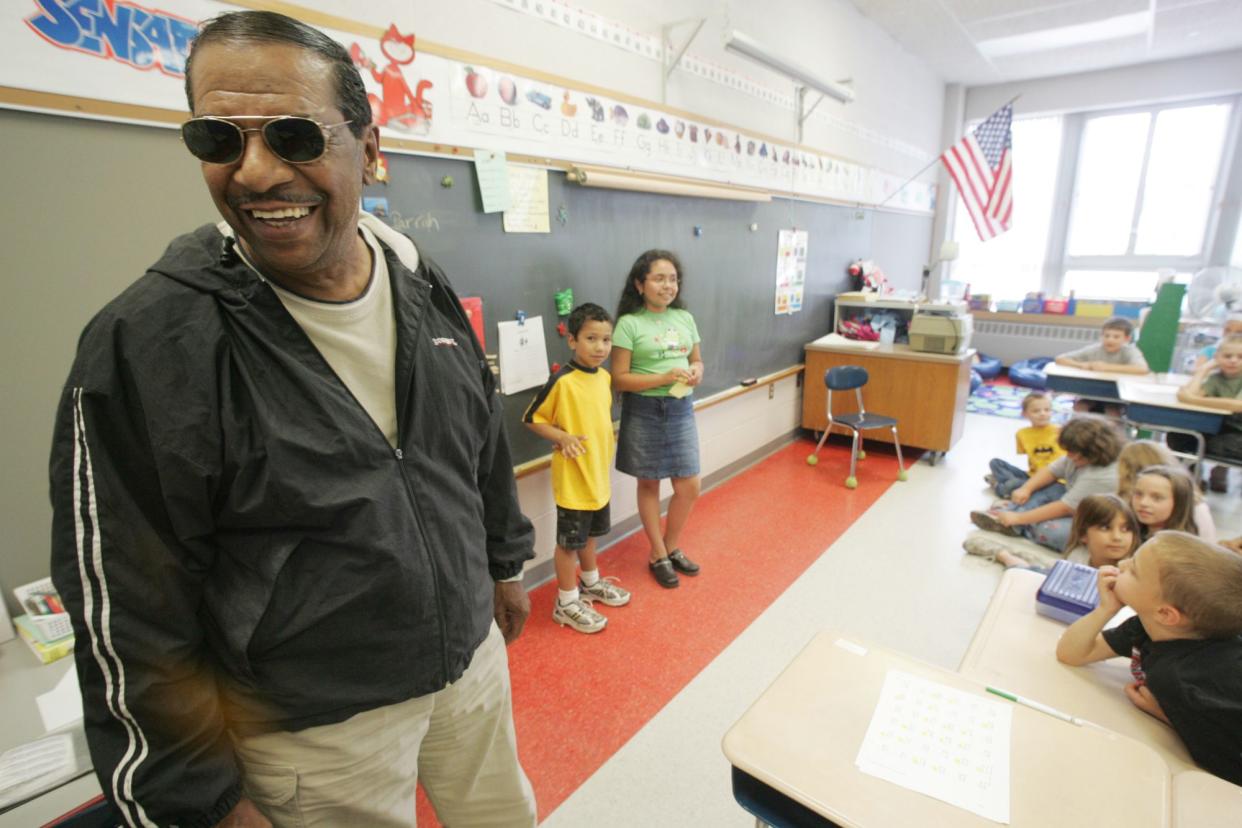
(644,183)
(1081,34)
(751,49)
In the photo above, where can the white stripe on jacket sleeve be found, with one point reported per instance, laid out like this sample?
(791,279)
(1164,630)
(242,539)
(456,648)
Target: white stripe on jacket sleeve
(86,515)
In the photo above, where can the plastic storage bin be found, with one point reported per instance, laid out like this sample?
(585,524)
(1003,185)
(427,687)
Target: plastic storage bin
(1068,593)
(51,626)
(1129,310)
(1093,307)
(1058,306)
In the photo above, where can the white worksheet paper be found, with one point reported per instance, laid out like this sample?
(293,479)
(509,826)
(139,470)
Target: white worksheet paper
(941,742)
(523,355)
(61,706)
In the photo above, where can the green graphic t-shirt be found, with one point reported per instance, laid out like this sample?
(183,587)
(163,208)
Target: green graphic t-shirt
(658,342)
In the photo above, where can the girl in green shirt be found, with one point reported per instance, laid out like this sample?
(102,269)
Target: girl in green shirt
(656,365)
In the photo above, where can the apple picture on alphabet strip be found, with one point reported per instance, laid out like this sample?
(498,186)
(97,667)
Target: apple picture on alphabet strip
(476,84)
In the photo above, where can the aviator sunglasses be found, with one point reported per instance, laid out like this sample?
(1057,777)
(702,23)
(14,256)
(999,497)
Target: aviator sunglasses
(291,138)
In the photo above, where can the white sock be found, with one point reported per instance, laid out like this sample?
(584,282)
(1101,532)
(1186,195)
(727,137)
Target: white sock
(590,577)
(566,597)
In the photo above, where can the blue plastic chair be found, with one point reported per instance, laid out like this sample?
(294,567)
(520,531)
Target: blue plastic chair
(847,378)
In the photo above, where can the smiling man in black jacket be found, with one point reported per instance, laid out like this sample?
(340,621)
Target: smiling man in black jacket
(285,518)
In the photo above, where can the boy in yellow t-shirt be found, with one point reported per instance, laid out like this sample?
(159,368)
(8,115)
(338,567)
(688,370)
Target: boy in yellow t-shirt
(574,411)
(1038,442)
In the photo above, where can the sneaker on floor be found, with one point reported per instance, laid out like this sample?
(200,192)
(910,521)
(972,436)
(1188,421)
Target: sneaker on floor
(579,615)
(989,521)
(990,479)
(606,592)
(984,547)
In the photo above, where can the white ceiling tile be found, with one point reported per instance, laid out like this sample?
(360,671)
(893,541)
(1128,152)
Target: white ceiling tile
(945,33)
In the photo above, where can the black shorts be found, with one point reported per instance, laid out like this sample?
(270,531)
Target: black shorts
(574,526)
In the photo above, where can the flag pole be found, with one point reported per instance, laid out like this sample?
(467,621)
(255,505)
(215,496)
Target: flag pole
(933,163)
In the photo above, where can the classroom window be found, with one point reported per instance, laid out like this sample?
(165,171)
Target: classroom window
(1235,258)
(1182,171)
(1130,285)
(1107,201)
(1144,198)
(1013,263)
(1110,164)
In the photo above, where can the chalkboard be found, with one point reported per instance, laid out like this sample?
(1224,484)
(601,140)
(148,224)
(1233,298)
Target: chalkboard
(729,271)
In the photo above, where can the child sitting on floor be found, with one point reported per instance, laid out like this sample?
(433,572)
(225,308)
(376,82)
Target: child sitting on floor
(1042,509)
(1184,646)
(1104,532)
(1038,442)
(1217,384)
(1164,498)
(1140,454)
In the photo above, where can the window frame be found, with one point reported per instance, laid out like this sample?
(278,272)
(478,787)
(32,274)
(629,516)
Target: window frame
(1223,218)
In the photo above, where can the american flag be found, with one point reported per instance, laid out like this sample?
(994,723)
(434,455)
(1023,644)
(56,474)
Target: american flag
(981,167)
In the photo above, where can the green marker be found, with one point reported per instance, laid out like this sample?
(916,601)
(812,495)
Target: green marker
(1034,705)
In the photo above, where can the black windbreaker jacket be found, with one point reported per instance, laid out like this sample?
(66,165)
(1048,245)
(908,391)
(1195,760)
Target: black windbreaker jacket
(239,545)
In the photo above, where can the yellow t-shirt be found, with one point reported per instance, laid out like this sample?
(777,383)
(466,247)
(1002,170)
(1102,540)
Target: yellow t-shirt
(579,400)
(1039,445)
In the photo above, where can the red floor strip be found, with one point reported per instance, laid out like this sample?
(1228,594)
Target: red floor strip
(578,698)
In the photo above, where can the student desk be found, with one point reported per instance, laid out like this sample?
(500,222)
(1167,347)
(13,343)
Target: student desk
(793,755)
(1098,385)
(1150,400)
(1014,648)
(925,393)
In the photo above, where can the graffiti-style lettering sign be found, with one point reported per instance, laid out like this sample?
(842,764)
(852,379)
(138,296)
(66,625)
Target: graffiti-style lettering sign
(115,30)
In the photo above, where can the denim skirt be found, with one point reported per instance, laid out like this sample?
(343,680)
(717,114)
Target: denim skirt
(658,438)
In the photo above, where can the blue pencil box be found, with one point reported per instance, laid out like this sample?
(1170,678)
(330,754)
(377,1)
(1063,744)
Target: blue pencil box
(1068,593)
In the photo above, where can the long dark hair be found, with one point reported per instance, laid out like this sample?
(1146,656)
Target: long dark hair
(631,300)
(1098,511)
(1182,518)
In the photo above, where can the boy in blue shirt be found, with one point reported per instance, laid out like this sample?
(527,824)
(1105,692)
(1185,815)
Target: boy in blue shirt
(574,411)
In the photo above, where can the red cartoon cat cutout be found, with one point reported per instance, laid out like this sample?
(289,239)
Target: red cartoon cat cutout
(396,107)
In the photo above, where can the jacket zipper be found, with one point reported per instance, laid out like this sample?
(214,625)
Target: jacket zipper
(399,456)
(435,570)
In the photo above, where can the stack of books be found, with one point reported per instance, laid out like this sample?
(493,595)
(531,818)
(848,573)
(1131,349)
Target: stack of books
(45,627)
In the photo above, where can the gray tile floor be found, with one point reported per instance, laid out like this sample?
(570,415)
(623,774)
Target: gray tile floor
(898,578)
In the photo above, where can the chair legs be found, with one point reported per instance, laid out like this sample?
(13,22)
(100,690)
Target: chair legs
(901,466)
(851,482)
(813,457)
(857,453)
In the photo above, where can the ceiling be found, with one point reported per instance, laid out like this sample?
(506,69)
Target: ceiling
(977,42)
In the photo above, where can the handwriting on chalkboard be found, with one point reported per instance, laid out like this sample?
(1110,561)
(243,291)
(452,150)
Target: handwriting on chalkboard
(423,221)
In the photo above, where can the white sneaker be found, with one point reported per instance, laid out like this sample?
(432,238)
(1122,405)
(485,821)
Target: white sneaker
(579,615)
(606,592)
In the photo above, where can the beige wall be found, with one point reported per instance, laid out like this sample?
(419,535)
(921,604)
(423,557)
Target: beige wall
(87,207)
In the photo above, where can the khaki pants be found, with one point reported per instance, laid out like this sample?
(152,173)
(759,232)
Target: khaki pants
(362,772)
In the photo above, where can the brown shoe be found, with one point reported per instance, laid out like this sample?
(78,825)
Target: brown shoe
(1218,480)
(662,571)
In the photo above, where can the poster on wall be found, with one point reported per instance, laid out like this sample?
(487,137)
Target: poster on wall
(790,270)
(122,52)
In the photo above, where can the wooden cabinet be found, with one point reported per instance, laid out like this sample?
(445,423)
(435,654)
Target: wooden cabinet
(926,393)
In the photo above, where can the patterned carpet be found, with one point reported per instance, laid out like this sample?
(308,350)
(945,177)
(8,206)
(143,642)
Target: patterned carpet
(1006,401)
